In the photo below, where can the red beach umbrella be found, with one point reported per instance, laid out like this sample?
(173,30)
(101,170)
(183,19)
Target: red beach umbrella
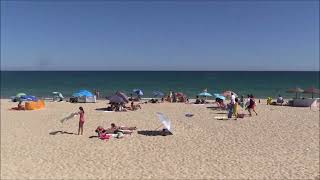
(228,93)
(312,90)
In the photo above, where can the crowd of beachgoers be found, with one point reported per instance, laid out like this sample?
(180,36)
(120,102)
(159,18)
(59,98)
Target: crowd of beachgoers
(204,131)
(228,101)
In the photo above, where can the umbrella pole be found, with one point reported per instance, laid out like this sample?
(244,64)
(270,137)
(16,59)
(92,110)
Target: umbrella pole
(312,95)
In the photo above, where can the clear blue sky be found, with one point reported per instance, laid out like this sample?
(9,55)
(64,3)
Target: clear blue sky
(190,35)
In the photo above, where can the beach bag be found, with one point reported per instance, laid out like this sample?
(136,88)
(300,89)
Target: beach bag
(240,116)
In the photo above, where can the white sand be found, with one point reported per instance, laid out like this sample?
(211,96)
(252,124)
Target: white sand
(281,142)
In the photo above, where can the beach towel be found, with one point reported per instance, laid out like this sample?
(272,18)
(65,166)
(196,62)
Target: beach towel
(221,118)
(105,136)
(68,117)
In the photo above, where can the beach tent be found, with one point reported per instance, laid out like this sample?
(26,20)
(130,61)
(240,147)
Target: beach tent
(84,96)
(34,105)
(81,93)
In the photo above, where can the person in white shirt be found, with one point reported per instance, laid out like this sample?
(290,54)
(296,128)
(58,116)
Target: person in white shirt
(280,100)
(233,98)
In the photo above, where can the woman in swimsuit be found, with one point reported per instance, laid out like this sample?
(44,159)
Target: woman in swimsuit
(81,120)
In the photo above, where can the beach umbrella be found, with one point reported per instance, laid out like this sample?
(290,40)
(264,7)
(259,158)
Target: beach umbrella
(205,94)
(228,93)
(138,92)
(28,98)
(164,120)
(158,94)
(123,96)
(312,90)
(116,99)
(17,97)
(58,94)
(295,90)
(219,96)
(180,94)
(20,94)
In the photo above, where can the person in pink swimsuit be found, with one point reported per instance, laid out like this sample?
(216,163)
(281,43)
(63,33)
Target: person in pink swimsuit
(81,120)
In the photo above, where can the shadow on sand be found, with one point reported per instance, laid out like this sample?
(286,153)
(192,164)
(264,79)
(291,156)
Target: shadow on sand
(93,136)
(61,132)
(101,109)
(221,113)
(154,133)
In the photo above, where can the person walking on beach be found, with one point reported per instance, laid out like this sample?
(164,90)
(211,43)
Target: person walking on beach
(247,101)
(170,96)
(235,108)
(81,120)
(174,97)
(242,101)
(252,105)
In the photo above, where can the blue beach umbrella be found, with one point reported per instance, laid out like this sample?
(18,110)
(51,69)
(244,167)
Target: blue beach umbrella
(205,94)
(219,96)
(28,98)
(138,92)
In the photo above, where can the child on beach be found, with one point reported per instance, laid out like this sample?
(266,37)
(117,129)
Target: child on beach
(81,120)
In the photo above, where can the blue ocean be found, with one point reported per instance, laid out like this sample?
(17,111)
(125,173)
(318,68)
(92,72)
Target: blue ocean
(260,84)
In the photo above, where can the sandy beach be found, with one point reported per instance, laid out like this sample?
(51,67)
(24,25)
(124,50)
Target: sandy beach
(280,143)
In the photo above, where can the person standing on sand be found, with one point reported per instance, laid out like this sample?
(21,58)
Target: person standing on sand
(242,101)
(96,93)
(235,108)
(81,120)
(233,99)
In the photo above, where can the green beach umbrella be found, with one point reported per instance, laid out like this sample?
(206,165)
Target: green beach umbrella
(20,94)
